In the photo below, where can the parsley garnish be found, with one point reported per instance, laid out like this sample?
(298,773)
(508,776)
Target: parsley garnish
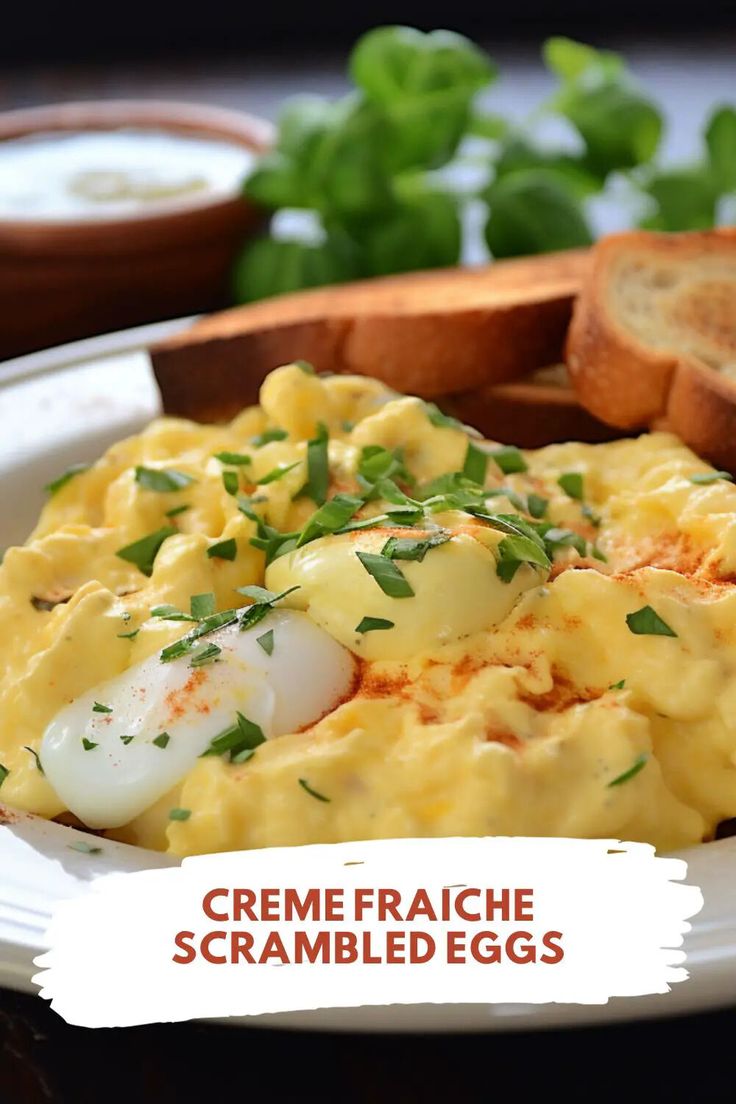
(208,654)
(440,419)
(161,740)
(277,473)
(34,753)
(4,772)
(243,736)
(127,739)
(143,552)
(98,707)
(711,477)
(537,506)
(509,459)
(170,613)
(645,622)
(617,685)
(637,765)
(238,459)
(177,510)
(373,624)
(266,641)
(179,814)
(88,745)
(313,793)
(206,625)
(61,480)
(388,576)
(517,550)
(263,601)
(269,435)
(377,463)
(318,467)
(129,635)
(475,464)
(231,482)
(572,484)
(162,479)
(330,517)
(223,550)
(305,366)
(202,605)
(409,548)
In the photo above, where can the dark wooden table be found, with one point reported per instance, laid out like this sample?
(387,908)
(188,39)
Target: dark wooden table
(44,1061)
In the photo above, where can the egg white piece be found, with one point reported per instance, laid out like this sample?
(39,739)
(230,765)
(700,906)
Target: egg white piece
(106,786)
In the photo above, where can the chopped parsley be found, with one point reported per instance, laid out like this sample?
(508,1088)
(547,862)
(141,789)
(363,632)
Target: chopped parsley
(711,477)
(277,473)
(378,463)
(88,745)
(572,484)
(268,436)
(84,848)
(129,635)
(143,552)
(4,772)
(176,510)
(509,459)
(34,753)
(633,770)
(55,485)
(201,606)
(223,550)
(162,740)
(373,624)
(231,482)
(305,366)
(206,625)
(475,464)
(263,601)
(98,707)
(411,548)
(518,549)
(646,622)
(162,480)
(210,653)
(537,506)
(179,814)
(388,576)
(266,641)
(318,467)
(438,418)
(243,736)
(170,613)
(126,739)
(590,515)
(330,517)
(617,685)
(237,459)
(313,793)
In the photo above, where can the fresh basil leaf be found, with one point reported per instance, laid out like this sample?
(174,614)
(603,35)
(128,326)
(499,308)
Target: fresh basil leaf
(244,735)
(201,606)
(720,139)
(269,267)
(534,211)
(537,506)
(373,624)
(318,467)
(209,653)
(269,435)
(265,641)
(236,459)
(572,484)
(475,464)
(409,548)
(330,517)
(170,613)
(509,459)
(207,625)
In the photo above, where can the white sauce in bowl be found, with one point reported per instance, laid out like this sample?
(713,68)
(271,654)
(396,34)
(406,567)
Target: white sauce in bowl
(71,175)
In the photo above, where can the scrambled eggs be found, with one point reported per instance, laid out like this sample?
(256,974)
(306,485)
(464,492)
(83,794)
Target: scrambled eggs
(545,643)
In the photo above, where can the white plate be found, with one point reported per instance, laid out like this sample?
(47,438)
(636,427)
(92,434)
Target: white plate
(67,405)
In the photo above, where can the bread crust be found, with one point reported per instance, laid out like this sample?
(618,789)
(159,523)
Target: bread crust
(702,411)
(429,334)
(528,415)
(618,377)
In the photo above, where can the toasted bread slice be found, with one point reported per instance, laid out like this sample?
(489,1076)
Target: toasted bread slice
(427,333)
(539,410)
(658,306)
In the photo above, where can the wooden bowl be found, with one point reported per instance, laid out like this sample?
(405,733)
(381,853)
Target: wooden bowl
(62,280)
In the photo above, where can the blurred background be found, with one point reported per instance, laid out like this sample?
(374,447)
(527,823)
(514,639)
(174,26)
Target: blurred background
(250,58)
